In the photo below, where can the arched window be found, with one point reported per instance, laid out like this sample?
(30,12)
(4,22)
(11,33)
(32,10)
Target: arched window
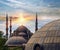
(38,47)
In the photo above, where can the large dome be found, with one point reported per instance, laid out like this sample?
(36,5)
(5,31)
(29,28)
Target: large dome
(15,41)
(47,38)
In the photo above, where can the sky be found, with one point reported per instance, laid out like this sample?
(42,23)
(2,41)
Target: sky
(47,11)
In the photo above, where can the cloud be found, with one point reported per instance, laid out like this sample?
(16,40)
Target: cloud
(35,6)
(22,5)
(47,10)
(43,7)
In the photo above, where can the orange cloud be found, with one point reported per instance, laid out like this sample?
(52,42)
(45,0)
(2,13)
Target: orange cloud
(2,18)
(29,17)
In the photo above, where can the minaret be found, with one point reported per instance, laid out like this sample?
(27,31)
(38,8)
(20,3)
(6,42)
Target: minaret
(7,26)
(36,23)
(10,26)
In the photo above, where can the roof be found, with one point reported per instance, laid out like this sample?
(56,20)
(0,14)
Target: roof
(15,41)
(50,33)
(48,36)
(22,29)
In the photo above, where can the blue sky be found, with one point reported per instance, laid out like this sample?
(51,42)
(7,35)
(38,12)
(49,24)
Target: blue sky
(29,5)
(47,10)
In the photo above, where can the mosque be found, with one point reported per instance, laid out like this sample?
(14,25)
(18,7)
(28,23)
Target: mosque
(19,37)
(45,38)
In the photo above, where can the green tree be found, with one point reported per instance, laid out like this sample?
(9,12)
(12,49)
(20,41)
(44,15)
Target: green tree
(2,42)
(1,33)
(17,48)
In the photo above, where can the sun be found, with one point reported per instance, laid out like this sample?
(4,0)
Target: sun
(21,20)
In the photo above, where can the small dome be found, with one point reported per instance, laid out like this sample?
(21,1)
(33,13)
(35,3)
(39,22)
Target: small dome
(22,29)
(15,41)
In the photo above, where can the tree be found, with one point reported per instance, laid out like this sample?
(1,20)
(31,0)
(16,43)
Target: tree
(17,48)
(2,42)
(1,33)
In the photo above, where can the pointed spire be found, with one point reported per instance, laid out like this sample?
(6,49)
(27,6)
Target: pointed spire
(10,26)
(7,26)
(36,23)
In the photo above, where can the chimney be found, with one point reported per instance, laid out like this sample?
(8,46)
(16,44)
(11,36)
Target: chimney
(36,23)
(10,26)
(7,26)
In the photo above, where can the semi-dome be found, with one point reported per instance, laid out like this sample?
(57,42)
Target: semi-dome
(46,38)
(15,41)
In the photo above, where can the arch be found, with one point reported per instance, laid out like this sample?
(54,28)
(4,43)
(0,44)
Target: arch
(38,47)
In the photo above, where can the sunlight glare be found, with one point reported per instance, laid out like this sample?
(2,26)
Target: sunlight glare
(21,19)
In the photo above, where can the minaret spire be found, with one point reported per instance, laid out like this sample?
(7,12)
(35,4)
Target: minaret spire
(36,23)
(10,26)
(7,26)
